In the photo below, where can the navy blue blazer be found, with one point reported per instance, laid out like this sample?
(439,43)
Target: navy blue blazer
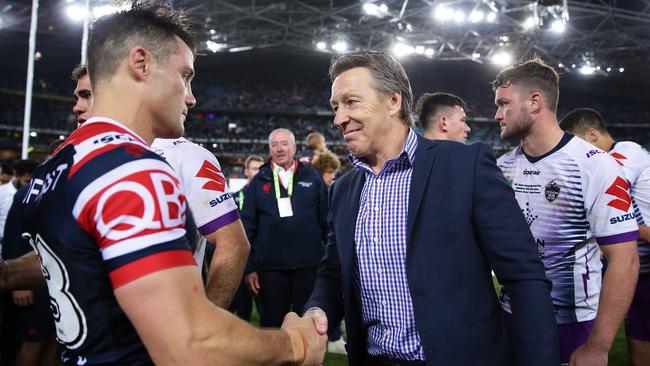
(463,221)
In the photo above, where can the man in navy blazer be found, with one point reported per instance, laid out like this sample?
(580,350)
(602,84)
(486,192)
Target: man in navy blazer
(416,227)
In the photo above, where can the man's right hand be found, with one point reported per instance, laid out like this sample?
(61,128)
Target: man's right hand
(253,282)
(314,343)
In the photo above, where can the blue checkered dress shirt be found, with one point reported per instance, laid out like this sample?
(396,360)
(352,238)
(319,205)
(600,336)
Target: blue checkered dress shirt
(380,268)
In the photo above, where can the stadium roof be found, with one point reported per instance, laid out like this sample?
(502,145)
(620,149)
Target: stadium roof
(593,35)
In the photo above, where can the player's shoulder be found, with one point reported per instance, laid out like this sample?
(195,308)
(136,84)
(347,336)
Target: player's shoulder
(587,155)
(182,149)
(628,148)
(510,157)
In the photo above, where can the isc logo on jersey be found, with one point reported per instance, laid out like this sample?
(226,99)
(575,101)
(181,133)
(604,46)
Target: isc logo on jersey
(622,200)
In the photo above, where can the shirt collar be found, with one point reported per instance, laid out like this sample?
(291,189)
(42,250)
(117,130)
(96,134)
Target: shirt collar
(408,153)
(281,168)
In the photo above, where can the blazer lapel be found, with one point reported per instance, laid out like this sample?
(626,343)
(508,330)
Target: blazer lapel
(422,164)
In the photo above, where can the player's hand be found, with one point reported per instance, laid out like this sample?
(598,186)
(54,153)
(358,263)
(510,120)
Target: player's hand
(586,355)
(314,344)
(319,317)
(253,282)
(23,297)
(4,273)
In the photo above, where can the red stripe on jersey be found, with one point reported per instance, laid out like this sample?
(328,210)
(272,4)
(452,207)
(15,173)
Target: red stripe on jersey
(150,264)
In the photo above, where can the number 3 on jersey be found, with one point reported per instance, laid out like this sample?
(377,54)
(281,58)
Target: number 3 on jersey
(71,328)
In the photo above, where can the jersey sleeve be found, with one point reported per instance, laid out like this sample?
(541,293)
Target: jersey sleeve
(135,212)
(632,159)
(206,189)
(608,202)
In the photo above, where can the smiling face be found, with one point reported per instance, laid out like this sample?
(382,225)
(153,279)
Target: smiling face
(512,115)
(282,148)
(172,91)
(362,115)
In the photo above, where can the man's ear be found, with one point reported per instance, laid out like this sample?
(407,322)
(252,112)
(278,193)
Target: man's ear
(535,102)
(592,135)
(139,63)
(442,123)
(394,103)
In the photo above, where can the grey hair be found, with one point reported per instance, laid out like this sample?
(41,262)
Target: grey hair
(388,73)
(292,136)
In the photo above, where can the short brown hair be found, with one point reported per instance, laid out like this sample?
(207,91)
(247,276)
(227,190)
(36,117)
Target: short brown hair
(533,76)
(326,161)
(313,139)
(79,72)
(152,25)
(578,121)
(251,158)
(387,72)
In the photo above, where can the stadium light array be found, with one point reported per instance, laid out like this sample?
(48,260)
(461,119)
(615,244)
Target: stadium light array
(491,17)
(621,69)
(321,45)
(402,49)
(443,13)
(75,12)
(375,10)
(476,16)
(340,46)
(558,26)
(429,52)
(502,58)
(215,47)
(529,23)
(459,16)
(476,56)
(587,70)
(33,134)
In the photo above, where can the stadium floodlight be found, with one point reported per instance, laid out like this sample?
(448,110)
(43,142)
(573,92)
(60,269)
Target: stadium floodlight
(573,66)
(621,69)
(476,56)
(321,45)
(402,49)
(609,69)
(459,16)
(33,134)
(215,47)
(213,32)
(100,11)
(214,146)
(598,67)
(443,13)
(502,58)
(61,137)
(560,65)
(587,70)
(375,10)
(340,46)
(529,23)
(75,12)
(491,17)
(419,50)
(476,16)
(240,49)
(429,52)
(558,26)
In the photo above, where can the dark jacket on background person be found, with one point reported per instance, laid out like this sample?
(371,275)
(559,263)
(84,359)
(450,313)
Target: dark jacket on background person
(288,242)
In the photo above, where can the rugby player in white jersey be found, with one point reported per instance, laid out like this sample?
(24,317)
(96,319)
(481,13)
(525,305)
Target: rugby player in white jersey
(576,200)
(590,126)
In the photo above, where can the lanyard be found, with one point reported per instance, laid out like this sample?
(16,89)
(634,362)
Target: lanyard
(241,200)
(276,182)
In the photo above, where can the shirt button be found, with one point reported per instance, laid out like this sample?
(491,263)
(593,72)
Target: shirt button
(375,240)
(384,302)
(380,271)
(376,208)
(379,180)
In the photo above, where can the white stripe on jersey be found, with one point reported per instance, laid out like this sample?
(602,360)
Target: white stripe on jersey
(102,140)
(141,242)
(115,175)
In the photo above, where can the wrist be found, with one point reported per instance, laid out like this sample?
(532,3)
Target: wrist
(297,346)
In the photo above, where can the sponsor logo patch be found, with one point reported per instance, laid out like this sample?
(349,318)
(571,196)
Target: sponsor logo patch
(216,180)
(619,189)
(551,191)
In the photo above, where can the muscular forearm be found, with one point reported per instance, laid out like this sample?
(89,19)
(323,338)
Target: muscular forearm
(21,273)
(226,271)
(615,298)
